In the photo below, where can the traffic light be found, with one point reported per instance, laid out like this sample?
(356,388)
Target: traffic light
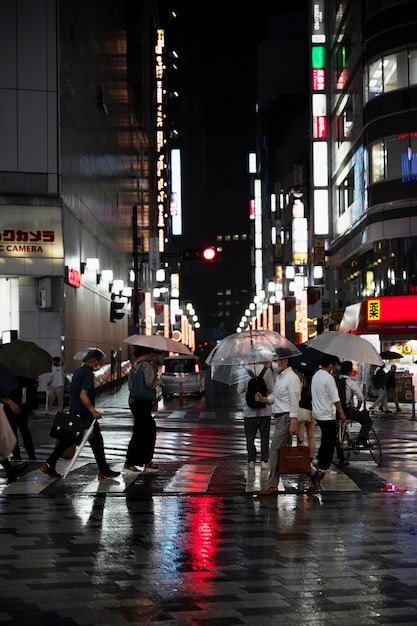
(115,314)
(199,254)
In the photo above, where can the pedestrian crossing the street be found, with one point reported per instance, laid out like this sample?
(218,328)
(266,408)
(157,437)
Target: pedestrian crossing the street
(205,452)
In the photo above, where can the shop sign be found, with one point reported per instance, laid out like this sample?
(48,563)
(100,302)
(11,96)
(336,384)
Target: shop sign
(32,232)
(391,309)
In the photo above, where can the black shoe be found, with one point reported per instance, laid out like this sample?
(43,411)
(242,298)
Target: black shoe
(108,474)
(362,442)
(16,472)
(16,457)
(399,410)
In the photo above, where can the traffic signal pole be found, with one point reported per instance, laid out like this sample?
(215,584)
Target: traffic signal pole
(135,299)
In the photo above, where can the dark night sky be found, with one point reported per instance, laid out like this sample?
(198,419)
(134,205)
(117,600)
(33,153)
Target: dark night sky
(217,120)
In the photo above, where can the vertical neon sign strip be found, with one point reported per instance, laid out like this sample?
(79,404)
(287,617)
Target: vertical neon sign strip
(161,158)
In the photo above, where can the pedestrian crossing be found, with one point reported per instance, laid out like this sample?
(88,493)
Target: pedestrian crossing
(205,452)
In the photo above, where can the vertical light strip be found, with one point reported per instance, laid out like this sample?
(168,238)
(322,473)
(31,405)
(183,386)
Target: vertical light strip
(258,236)
(319,120)
(175,208)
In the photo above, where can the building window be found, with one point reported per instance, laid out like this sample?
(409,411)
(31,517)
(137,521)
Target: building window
(377,162)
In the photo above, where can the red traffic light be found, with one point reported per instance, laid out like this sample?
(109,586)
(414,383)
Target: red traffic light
(209,254)
(199,254)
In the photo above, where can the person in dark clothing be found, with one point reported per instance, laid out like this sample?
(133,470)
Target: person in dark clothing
(391,387)
(19,421)
(82,401)
(142,443)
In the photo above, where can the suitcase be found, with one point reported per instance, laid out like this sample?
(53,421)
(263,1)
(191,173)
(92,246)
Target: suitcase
(294,460)
(69,427)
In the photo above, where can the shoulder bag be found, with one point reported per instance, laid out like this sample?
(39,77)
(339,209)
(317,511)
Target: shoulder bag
(138,388)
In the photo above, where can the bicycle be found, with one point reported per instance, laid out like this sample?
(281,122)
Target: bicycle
(347,433)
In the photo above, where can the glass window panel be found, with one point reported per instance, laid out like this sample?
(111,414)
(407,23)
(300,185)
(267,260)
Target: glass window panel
(395,71)
(413,67)
(396,156)
(377,162)
(375,79)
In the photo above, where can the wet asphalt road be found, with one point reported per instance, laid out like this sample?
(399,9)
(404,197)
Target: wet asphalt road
(194,545)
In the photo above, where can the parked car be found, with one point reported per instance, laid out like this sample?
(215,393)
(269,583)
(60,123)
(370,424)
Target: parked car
(182,371)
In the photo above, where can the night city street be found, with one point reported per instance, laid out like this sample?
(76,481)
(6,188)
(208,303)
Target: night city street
(194,545)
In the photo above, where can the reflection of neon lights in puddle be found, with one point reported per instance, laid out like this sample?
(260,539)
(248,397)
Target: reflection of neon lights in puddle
(398,488)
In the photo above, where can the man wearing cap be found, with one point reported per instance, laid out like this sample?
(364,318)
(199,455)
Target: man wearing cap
(82,403)
(285,400)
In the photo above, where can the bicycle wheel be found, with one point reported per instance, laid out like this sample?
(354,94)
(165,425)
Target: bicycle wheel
(344,439)
(375,447)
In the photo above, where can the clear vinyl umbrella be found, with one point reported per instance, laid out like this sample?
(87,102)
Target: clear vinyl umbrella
(229,358)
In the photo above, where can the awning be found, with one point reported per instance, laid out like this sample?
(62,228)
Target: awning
(386,315)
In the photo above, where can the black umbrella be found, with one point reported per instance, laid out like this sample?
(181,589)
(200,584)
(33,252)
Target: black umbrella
(309,360)
(387,355)
(8,382)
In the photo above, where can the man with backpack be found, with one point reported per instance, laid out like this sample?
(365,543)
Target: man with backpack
(256,415)
(349,393)
(285,403)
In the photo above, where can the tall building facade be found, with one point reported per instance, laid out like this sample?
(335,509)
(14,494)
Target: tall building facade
(364,144)
(79,149)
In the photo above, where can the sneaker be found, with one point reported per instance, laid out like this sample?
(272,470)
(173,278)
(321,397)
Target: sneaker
(108,474)
(265,465)
(251,465)
(52,473)
(268,491)
(151,467)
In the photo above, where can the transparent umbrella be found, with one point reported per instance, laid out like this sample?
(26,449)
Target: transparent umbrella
(228,359)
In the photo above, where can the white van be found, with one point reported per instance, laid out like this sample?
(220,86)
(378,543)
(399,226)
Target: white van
(182,374)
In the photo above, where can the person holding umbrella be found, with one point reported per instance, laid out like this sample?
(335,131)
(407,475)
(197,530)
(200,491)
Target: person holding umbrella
(82,403)
(142,443)
(285,401)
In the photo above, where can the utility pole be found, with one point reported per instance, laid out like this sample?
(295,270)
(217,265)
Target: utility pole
(135,300)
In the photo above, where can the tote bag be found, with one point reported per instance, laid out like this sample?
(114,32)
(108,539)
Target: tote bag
(7,436)
(138,388)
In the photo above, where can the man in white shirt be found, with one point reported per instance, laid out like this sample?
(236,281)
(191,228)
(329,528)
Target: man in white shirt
(285,402)
(325,402)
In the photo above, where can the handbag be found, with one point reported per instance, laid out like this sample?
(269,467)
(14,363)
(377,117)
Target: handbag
(7,437)
(69,427)
(294,459)
(138,388)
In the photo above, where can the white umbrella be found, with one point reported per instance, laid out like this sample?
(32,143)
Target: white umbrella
(84,440)
(346,346)
(158,342)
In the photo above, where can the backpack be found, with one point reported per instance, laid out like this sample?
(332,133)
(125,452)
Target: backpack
(341,387)
(256,385)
